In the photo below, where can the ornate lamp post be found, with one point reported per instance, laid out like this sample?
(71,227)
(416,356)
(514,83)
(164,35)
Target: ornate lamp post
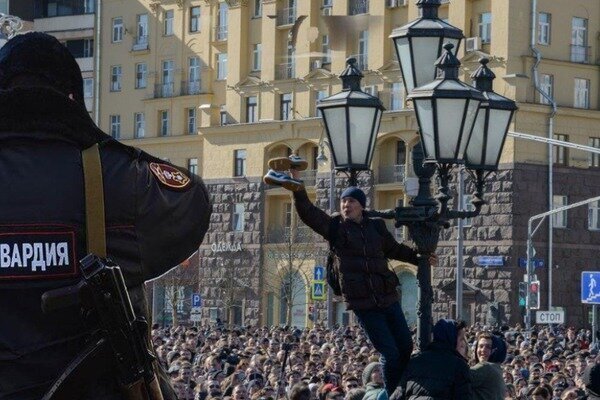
(10,25)
(419,43)
(351,120)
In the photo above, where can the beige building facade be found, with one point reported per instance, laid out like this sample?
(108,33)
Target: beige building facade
(219,87)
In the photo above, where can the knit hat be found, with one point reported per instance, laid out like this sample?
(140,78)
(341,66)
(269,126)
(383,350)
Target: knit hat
(498,350)
(366,375)
(40,54)
(356,194)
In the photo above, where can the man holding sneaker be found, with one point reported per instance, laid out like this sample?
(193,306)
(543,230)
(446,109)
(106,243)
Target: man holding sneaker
(362,247)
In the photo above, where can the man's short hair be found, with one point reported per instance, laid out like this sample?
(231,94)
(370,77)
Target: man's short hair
(300,391)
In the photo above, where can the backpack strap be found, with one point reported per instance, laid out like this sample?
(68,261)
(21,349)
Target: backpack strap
(94,201)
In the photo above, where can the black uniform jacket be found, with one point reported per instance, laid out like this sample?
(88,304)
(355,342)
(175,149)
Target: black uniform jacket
(362,252)
(155,218)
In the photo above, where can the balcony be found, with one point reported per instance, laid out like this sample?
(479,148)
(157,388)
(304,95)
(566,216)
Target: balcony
(220,33)
(286,16)
(391,174)
(356,7)
(64,23)
(164,90)
(361,61)
(85,63)
(190,88)
(580,54)
(140,43)
(285,71)
(309,177)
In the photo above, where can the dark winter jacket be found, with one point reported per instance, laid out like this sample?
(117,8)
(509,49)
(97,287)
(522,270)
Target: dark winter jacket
(153,223)
(362,254)
(439,372)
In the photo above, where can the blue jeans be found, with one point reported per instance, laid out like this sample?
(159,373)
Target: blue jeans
(387,329)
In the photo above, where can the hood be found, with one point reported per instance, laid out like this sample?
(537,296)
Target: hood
(445,332)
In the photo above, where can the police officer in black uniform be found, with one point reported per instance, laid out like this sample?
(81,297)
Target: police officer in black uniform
(156,216)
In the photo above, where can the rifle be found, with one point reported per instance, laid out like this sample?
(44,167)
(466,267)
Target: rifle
(103,294)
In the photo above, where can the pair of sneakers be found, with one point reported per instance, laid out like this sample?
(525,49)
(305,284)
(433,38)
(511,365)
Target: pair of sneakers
(277,178)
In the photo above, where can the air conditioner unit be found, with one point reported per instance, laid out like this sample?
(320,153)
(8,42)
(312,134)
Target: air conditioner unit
(473,44)
(395,3)
(327,10)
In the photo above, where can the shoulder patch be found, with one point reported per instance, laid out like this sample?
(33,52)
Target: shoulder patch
(170,176)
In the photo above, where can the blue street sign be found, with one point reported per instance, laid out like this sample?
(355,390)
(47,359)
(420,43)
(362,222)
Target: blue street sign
(318,291)
(590,287)
(537,262)
(489,261)
(319,273)
(196,300)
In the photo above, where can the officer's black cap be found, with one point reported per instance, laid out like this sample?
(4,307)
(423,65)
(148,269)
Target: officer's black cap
(39,54)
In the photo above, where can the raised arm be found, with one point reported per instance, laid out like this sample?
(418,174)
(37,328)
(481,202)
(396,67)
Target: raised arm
(317,219)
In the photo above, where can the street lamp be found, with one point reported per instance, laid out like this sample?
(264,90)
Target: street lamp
(419,43)
(351,120)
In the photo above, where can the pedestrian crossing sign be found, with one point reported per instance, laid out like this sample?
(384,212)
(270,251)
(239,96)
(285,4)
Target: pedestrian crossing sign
(318,291)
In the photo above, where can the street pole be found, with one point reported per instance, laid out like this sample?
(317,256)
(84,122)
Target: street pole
(459,247)
(594,323)
(331,211)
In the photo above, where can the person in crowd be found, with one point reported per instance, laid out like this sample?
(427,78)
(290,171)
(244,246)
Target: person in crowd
(372,379)
(487,382)
(440,371)
(57,165)
(361,247)
(591,381)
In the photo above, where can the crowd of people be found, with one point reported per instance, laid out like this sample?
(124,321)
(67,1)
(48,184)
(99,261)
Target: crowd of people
(268,363)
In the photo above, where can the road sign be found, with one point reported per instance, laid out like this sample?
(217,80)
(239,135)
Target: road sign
(319,273)
(196,300)
(550,317)
(318,291)
(537,262)
(590,287)
(489,261)
(196,317)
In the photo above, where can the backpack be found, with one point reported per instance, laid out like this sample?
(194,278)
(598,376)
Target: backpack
(333,276)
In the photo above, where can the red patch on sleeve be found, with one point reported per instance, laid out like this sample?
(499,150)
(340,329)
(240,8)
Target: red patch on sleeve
(170,176)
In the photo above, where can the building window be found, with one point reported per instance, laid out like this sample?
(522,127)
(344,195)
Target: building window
(559,220)
(547,86)
(164,122)
(221,66)
(115,126)
(115,78)
(579,40)
(194,77)
(82,48)
(223,116)
(363,50)
(320,95)
(222,21)
(356,7)
(117,29)
(286,106)
(325,49)
(239,167)
(193,166)
(257,8)
(594,216)
(400,152)
(251,109)
(561,154)
(139,128)
(594,158)
(256,55)
(4,6)
(327,6)
(396,96)
(168,75)
(168,22)
(88,88)
(141,75)
(544,20)
(191,121)
(237,222)
(195,19)
(485,27)
(582,93)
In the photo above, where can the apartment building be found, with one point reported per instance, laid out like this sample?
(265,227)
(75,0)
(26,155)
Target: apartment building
(220,87)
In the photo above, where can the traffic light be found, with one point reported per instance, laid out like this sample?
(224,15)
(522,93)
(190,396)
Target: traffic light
(522,294)
(534,295)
